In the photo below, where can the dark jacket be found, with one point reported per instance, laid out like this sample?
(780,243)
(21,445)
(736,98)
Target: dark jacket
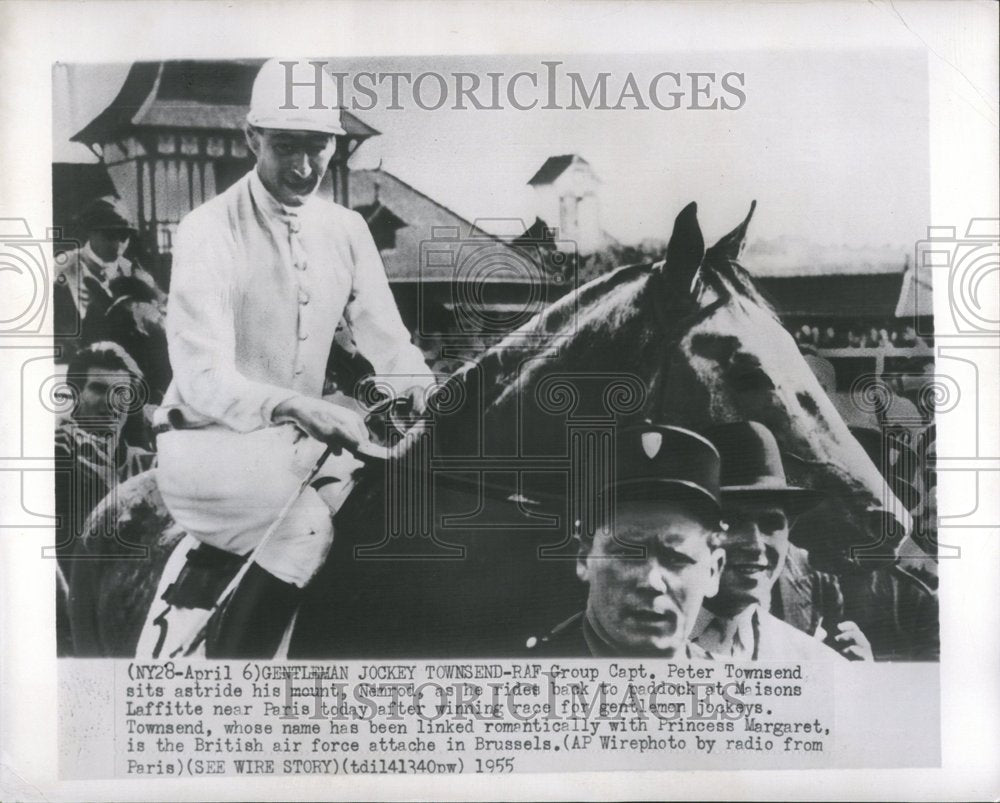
(896,611)
(805,598)
(575,638)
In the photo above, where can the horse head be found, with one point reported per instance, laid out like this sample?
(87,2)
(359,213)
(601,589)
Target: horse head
(730,359)
(689,341)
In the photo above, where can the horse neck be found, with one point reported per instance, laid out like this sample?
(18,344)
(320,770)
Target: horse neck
(594,343)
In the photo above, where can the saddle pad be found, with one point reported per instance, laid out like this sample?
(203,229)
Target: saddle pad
(168,625)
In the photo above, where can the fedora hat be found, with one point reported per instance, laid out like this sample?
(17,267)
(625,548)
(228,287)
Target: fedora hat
(895,461)
(657,461)
(752,466)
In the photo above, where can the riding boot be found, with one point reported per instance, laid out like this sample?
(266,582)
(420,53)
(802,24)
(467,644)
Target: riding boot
(252,623)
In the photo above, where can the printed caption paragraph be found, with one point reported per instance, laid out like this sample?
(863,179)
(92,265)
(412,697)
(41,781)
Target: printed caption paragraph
(179,719)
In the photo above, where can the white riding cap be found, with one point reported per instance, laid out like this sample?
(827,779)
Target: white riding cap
(297,85)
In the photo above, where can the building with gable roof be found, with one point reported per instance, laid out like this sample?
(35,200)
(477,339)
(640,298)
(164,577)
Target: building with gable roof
(566,198)
(173,138)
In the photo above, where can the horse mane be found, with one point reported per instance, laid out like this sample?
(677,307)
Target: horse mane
(553,326)
(729,277)
(594,307)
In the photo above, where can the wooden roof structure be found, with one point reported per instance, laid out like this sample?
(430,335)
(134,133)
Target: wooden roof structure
(555,166)
(202,95)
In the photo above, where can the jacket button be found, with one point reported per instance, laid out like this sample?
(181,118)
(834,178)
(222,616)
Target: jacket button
(303,335)
(303,297)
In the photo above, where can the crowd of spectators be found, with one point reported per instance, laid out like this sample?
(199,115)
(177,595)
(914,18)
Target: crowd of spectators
(859,335)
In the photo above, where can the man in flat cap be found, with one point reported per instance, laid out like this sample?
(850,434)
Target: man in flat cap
(83,289)
(650,564)
(758,507)
(262,275)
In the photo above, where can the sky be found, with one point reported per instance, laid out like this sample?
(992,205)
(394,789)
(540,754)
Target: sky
(833,145)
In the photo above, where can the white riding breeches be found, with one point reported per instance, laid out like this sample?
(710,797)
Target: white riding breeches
(226,489)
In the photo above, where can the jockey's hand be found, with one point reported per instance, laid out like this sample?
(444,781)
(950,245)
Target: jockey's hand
(329,423)
(850,642)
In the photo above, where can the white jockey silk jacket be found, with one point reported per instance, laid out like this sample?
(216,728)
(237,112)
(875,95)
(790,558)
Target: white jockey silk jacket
(257,291)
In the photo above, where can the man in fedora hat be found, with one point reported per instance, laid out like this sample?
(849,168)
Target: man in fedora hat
(897,610)
(262,276)
(654,558)
(758,506)
(83,282)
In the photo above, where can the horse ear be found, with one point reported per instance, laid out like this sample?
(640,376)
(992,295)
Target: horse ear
(731,246)
(684,254)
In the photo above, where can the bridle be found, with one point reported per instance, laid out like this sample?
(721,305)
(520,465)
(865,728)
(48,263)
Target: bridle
(674,322)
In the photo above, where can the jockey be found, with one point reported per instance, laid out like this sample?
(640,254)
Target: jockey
(262,275)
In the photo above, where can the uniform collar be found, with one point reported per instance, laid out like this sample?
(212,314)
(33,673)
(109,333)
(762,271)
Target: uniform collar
(600,648)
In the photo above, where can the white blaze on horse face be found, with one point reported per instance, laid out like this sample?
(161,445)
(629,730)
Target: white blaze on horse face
(749,368)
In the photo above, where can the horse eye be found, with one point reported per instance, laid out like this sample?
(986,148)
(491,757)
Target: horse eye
(755,381)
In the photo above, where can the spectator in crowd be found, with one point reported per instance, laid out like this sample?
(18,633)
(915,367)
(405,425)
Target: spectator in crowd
(808,599)
(919,553)
(83,283)
(136,320)
(828,339)
(648,569)
(917,383)
(758,507)
(896,610)
(92,444)
(909,337)
(856,334)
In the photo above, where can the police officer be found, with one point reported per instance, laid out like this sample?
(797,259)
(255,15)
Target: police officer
(650,565)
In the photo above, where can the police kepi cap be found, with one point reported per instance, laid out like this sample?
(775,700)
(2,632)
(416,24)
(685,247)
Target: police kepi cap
(657,461)
(106,213)
(285,93)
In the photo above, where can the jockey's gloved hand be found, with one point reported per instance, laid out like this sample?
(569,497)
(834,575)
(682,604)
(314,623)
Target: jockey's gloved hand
(330,423)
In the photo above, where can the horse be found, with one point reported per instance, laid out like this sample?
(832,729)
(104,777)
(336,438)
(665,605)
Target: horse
(506,462)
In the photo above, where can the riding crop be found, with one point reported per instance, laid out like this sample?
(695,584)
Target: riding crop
(197,632)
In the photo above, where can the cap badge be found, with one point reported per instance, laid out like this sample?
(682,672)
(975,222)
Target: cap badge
(651,443)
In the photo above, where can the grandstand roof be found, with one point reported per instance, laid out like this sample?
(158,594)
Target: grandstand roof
(835,296)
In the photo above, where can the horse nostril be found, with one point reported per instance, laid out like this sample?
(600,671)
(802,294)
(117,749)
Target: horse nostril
(755,381)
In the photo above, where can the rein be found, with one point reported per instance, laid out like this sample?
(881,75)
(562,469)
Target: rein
(674,321)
